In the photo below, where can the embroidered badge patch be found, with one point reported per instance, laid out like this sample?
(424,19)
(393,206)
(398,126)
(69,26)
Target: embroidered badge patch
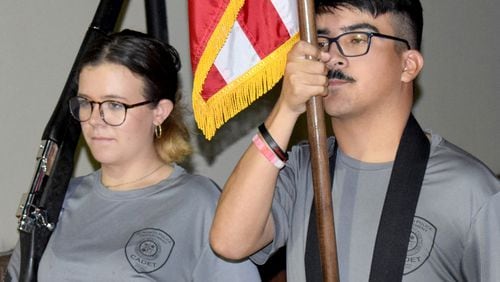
(421,243)
(148,249)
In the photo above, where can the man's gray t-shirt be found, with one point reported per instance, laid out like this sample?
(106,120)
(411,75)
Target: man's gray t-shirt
(483,242)
(455,188)
(159,233)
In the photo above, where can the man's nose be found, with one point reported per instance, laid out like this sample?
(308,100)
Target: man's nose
(337,59)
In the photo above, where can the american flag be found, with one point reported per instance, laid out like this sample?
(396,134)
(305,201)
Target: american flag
(238,53)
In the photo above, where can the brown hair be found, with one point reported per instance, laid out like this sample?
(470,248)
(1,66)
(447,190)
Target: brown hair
(157,63)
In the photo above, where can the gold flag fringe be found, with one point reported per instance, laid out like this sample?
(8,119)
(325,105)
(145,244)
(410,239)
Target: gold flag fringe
(240,93)
(213,46)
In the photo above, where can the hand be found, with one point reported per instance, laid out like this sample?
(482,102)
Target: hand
(305,76)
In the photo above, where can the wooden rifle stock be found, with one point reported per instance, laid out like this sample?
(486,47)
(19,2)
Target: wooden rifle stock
(55,159)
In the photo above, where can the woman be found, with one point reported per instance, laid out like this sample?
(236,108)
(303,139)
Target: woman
(140,216)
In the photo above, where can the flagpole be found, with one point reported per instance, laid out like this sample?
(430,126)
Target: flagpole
(319,160)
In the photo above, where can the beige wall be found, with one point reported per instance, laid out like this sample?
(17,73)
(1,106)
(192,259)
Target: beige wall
(39,40)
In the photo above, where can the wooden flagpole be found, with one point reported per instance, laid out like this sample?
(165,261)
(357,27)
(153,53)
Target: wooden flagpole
(319,160)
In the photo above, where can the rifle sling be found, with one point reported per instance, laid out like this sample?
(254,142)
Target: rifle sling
(391,243)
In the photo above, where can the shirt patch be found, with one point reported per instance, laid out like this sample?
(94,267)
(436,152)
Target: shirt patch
(148,249)
(421,243)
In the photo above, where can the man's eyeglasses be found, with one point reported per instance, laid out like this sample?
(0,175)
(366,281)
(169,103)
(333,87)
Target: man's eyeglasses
(112,112)
(354,44)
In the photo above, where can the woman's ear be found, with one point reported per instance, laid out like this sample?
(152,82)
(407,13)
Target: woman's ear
(412,65)
(162,111)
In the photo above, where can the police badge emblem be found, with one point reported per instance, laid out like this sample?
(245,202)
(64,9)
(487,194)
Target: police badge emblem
(148,249)
(421,243)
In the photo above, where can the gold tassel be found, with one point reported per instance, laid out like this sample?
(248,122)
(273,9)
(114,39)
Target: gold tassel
(240,93)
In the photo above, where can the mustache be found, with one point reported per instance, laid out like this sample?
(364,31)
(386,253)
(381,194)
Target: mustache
(339,75)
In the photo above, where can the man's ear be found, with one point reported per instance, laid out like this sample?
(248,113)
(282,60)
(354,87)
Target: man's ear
(412,65)
(162,111)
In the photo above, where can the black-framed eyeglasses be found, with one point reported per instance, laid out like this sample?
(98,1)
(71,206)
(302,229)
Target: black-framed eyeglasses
(354,44)
(112,112)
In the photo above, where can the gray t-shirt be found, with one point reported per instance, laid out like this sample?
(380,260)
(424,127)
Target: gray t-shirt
(455,188)
(482,243)
(159,233)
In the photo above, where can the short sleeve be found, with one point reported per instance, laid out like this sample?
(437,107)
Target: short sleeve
(210,267)
(482,251)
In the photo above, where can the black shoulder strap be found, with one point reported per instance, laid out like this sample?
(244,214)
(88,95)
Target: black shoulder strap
(394,230)
(393,235)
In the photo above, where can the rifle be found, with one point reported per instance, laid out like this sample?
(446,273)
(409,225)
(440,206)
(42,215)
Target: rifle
(39,209)
(156,19)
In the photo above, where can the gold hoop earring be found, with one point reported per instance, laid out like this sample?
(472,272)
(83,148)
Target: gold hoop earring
(158,131)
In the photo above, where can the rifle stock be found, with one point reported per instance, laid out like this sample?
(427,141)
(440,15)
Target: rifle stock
(54,165)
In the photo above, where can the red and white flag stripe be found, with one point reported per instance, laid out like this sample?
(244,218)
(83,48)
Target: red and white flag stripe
(238,53)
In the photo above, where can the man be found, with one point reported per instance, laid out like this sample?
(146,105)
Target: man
(364,66)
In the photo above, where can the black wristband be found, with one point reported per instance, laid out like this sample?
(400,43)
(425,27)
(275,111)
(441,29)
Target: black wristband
(283,156)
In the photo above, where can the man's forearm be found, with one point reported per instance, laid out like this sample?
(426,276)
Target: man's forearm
(243,223)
